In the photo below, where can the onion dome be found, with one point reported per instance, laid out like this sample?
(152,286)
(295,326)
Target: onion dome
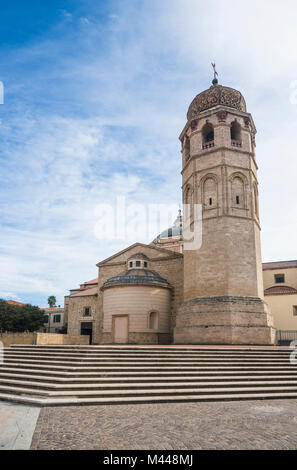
(216,95)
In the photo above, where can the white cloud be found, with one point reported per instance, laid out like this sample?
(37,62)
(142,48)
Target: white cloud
(84,20)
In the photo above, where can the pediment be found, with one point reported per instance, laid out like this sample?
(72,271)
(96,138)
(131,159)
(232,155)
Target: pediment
(151,251)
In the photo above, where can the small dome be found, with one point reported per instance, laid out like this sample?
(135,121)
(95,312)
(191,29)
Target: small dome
(137,276)
(216,95)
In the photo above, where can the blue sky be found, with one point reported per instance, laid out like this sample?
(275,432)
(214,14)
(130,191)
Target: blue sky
(96,94)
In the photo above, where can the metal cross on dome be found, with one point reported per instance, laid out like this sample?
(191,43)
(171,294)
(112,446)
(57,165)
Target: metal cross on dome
(215,73)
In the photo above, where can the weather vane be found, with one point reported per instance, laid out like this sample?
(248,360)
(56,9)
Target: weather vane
(215,74)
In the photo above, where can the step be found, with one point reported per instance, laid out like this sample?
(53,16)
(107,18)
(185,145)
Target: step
(146,370)
(146,385)
(171,347)
(143,352)
(50,354)
(144,392)
(148,357)
(85,359)
(128,355)
(144,365)
(69,378)
(57,375)
(38,401)
(160,368)
(124,374)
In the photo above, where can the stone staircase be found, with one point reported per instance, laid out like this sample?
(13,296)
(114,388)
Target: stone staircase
(68,375)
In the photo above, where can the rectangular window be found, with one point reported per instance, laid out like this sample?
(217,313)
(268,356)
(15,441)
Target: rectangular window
(279,278)
(295,310)
(87,311)
(237,199)
(210,201)
(145,264)
(131,264)
(57,318)
(46,319)
(138,264)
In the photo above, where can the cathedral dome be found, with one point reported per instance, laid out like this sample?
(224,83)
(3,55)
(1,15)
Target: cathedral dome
(214,96)
(176,230)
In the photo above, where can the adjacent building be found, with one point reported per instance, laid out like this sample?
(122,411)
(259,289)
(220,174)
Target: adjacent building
(55,319)
(280,284)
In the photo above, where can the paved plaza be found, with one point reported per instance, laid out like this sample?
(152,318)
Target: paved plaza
(17,425)
(269,424)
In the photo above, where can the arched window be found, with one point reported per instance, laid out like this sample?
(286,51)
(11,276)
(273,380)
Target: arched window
(153,320)
(209,193)
(207,136)
(238,193)
(188,195)
(235,132)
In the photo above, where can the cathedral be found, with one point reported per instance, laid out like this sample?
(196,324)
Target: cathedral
(169,291)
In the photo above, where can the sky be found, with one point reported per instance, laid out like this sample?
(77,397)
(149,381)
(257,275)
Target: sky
(95,97)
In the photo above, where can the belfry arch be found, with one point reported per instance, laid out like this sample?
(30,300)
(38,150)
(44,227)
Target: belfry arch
(235,132)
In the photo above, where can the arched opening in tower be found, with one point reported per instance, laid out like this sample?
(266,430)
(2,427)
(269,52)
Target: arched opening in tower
(208,133)
(235,132)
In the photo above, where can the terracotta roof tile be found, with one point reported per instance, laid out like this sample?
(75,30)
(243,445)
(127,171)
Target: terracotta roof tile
(14,302)
(277,290)
(86,292)
(93,281)
(280,265)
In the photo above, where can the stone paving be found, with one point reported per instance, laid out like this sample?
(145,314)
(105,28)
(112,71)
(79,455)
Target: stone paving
(17,425)
(269,424)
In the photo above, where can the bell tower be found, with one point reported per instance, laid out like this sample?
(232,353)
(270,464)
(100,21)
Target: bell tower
(223,285)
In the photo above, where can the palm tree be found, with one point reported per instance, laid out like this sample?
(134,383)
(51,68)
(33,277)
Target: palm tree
(52,301)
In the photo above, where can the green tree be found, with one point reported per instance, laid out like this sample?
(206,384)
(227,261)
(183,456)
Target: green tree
(16,318)
(52,300)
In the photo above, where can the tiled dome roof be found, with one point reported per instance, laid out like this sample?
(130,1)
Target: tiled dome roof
(214,96)
(137,276)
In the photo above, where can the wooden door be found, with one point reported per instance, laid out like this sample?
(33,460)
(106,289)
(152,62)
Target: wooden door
(120,329)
